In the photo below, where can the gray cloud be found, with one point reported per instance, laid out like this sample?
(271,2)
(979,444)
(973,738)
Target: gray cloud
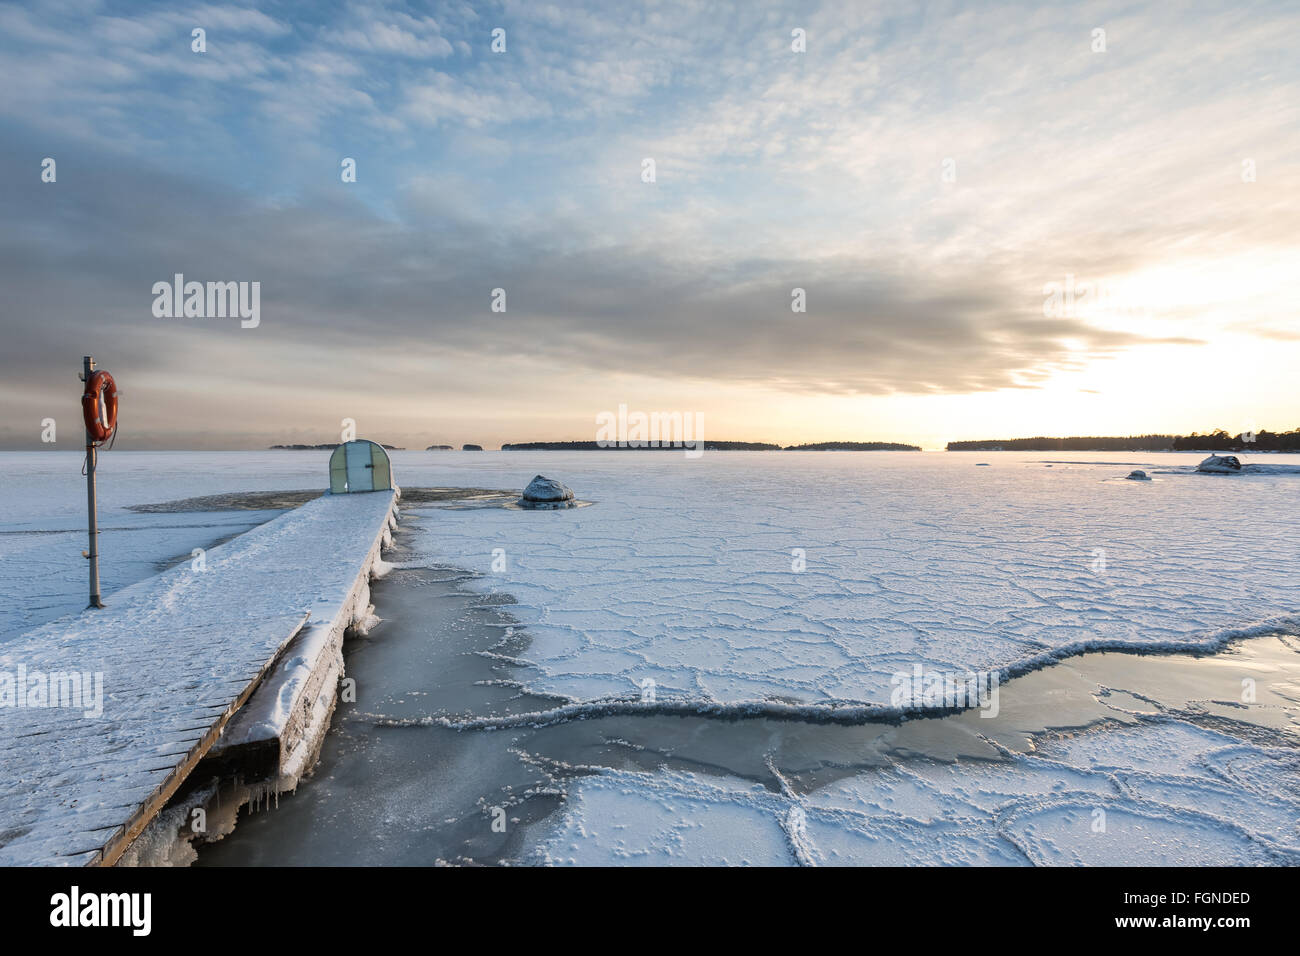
(81,255)
(777,171)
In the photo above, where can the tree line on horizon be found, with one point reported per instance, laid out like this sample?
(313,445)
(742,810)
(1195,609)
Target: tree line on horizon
(327,446)
(709,446)
(1217,440)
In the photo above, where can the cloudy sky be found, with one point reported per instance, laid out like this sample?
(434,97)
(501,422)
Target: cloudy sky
(929,174)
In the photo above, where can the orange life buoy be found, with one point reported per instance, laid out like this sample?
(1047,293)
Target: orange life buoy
(99,406)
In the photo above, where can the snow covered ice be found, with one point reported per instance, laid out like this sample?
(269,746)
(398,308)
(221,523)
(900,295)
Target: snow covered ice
(687,572)
(798,585)
(760,583)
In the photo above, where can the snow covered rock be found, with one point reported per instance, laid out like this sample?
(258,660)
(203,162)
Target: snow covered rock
(1220,465)
(543,492)
(1138,475)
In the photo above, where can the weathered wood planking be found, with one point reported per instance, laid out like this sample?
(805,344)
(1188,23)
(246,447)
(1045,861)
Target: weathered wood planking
(90,785)
(180,653)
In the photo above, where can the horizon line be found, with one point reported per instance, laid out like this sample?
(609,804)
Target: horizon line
(1217,434)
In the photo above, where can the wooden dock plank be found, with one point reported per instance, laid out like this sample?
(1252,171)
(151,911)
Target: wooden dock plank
(178,655)
(90,753)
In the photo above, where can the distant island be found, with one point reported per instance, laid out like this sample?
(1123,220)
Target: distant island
(330,447)
(1217,440)
(663,446)
(709,446)
(853,446)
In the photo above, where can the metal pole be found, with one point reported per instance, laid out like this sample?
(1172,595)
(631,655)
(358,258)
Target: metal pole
(88,366)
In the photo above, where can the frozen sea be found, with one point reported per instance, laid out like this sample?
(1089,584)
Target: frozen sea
(733,630)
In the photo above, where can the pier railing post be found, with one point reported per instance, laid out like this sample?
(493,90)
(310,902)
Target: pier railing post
(92,553)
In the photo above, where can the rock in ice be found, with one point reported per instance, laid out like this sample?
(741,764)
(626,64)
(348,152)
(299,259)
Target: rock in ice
(1220,465)
(543,492)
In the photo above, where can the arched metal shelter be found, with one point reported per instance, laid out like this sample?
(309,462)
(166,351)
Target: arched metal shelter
(360,466)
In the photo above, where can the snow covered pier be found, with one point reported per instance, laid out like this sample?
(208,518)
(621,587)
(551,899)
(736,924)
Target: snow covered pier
(104,714)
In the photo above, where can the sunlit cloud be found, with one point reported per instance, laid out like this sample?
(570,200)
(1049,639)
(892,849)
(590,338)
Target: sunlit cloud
(927,179)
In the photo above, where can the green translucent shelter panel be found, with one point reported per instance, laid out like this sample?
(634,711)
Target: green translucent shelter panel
(382,471)
(360,466)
